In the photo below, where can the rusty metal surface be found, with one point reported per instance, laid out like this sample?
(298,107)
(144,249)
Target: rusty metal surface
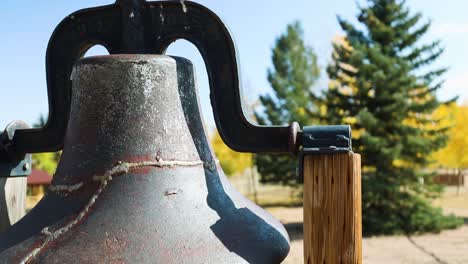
(137,26)
(138,182)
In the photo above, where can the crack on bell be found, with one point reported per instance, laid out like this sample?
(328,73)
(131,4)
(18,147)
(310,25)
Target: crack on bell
(125,167)
(210,165)
(172,192)
(66,188)
(120,168)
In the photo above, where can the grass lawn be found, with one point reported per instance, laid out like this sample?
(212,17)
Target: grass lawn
(453,203)
(452,200)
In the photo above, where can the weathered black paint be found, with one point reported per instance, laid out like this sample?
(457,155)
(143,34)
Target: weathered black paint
(137,26)
(141,108)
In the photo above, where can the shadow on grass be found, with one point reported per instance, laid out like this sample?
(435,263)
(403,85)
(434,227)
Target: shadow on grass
(465,220)
(425,251)
(296,230)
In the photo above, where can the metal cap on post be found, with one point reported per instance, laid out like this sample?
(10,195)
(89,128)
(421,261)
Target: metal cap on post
(326,139)
(323,140)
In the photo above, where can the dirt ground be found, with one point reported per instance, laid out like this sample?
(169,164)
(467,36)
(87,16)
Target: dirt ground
(448,247)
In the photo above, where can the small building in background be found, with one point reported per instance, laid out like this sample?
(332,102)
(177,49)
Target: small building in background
(38,182)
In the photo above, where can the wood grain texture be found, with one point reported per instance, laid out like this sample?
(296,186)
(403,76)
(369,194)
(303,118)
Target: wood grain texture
(332,209)
(12,201)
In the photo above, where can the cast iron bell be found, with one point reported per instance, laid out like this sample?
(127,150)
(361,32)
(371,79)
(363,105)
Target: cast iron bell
(137,181)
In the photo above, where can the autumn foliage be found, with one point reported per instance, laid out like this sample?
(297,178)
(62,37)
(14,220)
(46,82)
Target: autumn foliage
(455,154)
(232,162)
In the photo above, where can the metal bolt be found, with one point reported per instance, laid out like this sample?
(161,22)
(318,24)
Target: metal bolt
(26,167)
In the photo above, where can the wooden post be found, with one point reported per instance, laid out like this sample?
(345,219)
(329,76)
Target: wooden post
(12,201)
(332,209)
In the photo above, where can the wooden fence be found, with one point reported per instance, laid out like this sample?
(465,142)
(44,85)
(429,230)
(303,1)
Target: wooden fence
(451,178)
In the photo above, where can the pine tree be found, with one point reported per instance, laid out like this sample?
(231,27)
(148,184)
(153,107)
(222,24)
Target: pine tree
(294,73)
(382,83)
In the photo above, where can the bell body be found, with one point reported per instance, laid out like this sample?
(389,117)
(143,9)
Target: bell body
(138,182)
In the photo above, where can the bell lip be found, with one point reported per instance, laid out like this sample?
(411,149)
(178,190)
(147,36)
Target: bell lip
(132,58)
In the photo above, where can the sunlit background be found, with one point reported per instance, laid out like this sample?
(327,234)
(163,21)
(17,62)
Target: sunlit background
(25,28)
(27,25)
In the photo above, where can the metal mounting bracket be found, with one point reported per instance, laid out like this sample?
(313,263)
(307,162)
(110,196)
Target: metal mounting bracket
(323,140)
(12,163)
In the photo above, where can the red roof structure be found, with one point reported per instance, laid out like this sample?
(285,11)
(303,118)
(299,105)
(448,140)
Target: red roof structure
(39,177)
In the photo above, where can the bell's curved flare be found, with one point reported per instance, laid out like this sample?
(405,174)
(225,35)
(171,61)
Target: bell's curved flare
(137,181)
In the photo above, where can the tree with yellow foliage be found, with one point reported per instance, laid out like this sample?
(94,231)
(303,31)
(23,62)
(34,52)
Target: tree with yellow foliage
(455,154)
(232,162)
(45,161)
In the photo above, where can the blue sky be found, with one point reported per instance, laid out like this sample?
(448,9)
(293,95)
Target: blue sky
(25,27)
